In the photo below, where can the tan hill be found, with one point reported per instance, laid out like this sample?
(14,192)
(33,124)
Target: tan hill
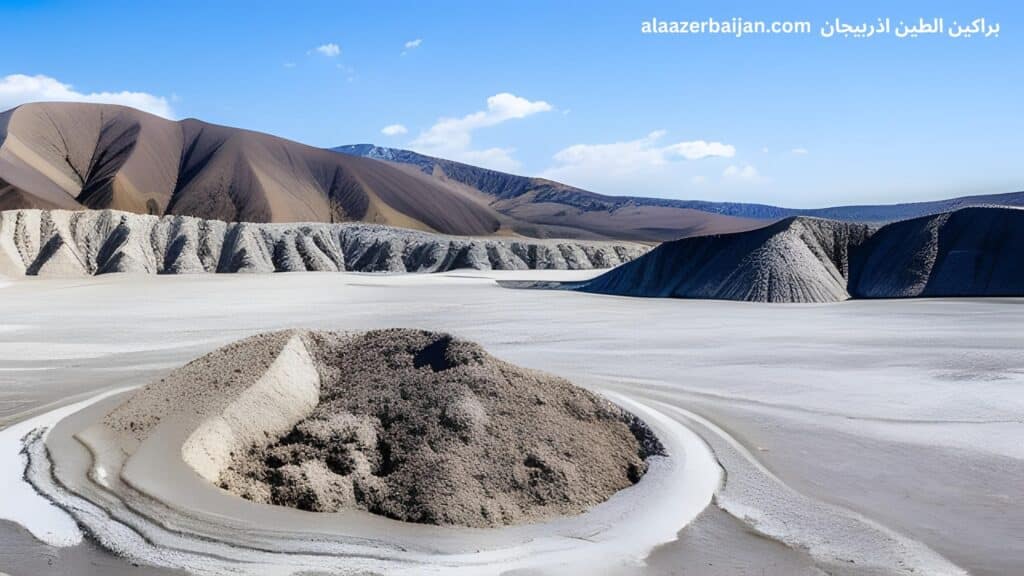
(96,156)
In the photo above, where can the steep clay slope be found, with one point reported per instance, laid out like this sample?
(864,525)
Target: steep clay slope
(795,260)
(970,252)
(72,243)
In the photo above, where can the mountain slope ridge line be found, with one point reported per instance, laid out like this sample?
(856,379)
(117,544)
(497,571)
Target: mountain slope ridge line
(75,156)
(513,189)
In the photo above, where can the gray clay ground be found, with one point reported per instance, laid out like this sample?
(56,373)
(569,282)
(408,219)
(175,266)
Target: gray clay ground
(905,412)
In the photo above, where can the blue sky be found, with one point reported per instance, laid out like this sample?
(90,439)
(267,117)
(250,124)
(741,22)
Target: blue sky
(576,92)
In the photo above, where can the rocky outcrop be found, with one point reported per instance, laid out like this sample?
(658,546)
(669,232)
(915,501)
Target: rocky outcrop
(970,252)
(72,243)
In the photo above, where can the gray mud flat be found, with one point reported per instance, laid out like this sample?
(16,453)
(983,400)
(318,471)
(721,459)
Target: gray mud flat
(22,555)
(904,412)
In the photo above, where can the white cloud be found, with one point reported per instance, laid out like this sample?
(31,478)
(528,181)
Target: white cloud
(745,173)
(412,45)
(289,64)
(647,166)
(330,50)
(800,151)
(699,149)
(393,130)
(453,137)
(493,158)
(18,89)
(635,156)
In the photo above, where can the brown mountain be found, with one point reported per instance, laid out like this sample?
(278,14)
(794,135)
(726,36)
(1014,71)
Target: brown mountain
(95,156)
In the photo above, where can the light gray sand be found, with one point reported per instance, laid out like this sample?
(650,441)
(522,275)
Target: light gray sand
(908,413)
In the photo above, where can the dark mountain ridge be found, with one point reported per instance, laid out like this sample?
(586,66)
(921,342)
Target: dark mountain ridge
(968,252)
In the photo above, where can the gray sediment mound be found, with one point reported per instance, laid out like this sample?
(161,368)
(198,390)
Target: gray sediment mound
(969,252)
(423,427)
(74,243)
(412,425)
(795,260)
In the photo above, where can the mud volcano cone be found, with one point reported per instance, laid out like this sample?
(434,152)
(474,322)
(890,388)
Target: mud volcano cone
(412,425)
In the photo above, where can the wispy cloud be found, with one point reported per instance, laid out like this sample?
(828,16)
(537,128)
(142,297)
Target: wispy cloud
(635,155)
(800,151)
(289,64)
(411,45)
(646,165)
(331,50)
(393,130)
(453,137)
(18,89)
(349,71)
(745,173)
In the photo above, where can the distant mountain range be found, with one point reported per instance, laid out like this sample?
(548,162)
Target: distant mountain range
(75,156)
(508,187)
(95,156)
(968,252)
